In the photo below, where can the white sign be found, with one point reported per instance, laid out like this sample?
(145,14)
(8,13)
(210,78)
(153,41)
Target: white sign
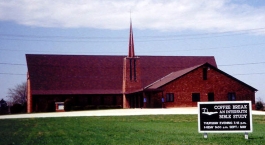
(60,106)
(225,116)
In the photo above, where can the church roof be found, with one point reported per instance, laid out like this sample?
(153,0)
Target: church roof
(177,74)
(170,77)
(98,74)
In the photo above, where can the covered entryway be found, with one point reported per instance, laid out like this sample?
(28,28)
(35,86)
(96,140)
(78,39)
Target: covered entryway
(135,100)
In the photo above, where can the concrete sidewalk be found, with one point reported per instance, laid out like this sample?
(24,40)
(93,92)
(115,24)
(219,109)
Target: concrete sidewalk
(115,112)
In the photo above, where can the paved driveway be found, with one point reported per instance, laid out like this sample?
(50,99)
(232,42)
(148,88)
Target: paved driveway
(115,112)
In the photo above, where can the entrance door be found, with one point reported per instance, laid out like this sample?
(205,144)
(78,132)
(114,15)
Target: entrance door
(136,101)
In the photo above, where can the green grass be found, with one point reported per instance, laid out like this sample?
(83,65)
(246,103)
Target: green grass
(161,129)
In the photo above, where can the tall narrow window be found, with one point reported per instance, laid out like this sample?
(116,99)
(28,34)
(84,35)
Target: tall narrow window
(231,97)
(195,97)
(204,73)
(102,100)
(134,69)
(170,97)
(210,96)
(130,69)
(114,100)
(89,100)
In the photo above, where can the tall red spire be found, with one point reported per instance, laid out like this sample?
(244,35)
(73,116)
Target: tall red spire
(131,42)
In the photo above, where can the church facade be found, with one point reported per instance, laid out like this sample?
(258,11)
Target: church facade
(98,81)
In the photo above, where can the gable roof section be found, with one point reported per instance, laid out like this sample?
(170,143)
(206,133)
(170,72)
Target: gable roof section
(175,75)
(72,74)
(97,74)
(170,77)
(156,67)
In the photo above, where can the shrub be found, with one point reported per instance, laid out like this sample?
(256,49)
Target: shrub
(259,105)
(90,107)
(4,110)
(16,108)
(50,106)
(109,107)
(77,108)
(68,105)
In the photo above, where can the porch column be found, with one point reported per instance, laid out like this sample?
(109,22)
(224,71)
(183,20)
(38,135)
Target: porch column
(124,101)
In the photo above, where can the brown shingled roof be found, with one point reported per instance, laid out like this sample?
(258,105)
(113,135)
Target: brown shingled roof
(95,74)
(170,77)
(175,75)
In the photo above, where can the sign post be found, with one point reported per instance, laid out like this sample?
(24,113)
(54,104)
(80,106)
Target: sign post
(225,117)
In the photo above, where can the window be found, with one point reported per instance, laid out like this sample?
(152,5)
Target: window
(210,96)
(130,69)
(114,100)
(133,69)
(89,100)
(101,100)
(204,73)
(231,97)
(195,97)
(170,97)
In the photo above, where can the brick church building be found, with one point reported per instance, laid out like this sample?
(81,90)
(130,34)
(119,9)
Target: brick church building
(129,81)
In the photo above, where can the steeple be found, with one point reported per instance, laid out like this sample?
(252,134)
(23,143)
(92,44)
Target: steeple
(132,81)
(131,42)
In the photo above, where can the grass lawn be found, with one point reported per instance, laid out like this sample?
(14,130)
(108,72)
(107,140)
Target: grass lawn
(161,129)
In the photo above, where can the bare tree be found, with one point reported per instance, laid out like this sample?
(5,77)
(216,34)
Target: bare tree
(18,94)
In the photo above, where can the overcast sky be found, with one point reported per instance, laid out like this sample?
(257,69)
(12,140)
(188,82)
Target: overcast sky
(160,15)
(233,31)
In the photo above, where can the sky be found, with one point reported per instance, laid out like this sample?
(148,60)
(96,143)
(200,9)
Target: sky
(233,31)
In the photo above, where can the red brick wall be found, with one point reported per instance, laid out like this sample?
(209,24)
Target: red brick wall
(216,83)
(131,85)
